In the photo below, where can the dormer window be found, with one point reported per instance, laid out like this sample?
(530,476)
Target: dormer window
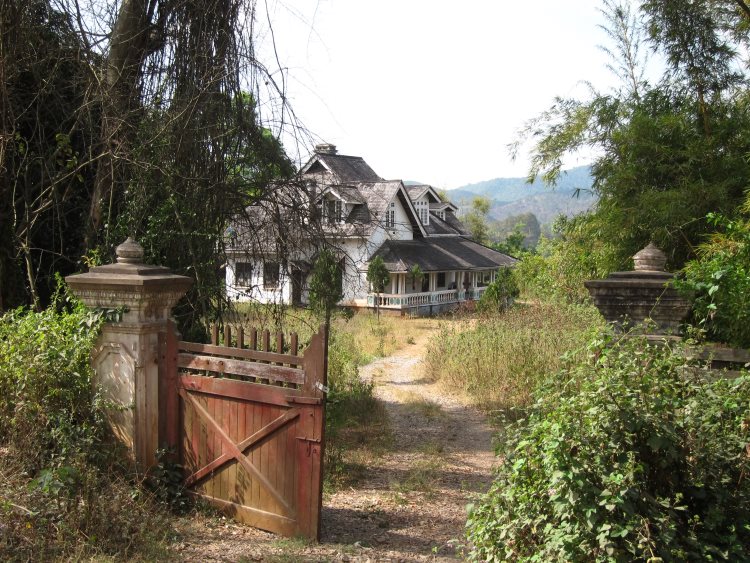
(333,210)
(423,210)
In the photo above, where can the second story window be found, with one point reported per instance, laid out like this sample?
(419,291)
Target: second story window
(390,216)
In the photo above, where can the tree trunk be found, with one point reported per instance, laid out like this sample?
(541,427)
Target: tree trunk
(120,103)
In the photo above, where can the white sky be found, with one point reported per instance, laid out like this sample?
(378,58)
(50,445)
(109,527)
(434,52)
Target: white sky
(433,91)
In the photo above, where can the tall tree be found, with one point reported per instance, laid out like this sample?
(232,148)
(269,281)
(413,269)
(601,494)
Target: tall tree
(669,153)
(155,129)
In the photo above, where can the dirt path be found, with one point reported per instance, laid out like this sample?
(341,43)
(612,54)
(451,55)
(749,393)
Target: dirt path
(410,504)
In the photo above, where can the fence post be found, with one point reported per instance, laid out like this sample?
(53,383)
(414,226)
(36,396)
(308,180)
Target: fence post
(132,348)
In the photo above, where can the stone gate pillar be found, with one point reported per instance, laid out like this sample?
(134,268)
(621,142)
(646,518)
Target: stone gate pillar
(126,358)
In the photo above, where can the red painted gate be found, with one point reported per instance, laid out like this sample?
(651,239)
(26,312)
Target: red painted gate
(248,424)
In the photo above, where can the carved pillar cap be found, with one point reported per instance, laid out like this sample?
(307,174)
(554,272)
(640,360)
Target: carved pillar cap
(146,292)
(650,259)
(129,252)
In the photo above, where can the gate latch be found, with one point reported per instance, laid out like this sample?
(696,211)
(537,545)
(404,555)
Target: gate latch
(321,387)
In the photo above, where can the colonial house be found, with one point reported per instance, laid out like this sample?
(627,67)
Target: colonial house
(362,216)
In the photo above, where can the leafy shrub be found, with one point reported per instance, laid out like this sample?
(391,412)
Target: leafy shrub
(63,494)
(500,294)
(352,410)
(633,454)
(561,265)
(46,394)
(720,281)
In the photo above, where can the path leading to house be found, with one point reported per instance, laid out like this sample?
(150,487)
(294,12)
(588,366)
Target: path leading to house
(410,504)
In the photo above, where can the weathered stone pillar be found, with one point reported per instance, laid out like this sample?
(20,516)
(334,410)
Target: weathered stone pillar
(628,298)
(126,359)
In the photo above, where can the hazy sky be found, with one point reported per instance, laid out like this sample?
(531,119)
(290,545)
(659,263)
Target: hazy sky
(433,90)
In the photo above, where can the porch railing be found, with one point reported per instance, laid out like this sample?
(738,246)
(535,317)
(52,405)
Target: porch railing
(407,300)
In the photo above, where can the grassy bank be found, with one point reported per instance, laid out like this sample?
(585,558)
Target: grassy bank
(496,361)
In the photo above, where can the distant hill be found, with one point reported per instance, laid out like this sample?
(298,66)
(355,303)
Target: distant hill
(513,196)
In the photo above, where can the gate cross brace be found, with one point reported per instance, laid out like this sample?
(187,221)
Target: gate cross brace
(235,450)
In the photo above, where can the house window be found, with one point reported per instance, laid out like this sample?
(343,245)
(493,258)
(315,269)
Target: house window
(483,278)
(441,279)
(390,216)
(243,274)
(333,210)
(424,215)
(270,275)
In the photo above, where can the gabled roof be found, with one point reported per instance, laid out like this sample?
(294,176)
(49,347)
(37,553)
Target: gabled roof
(379,194)
(343,169)
(440,254)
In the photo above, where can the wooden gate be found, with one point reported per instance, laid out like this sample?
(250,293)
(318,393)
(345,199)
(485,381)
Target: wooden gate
(248,424)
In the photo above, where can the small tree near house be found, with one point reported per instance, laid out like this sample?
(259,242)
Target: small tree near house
(416,274)
(325,284)
(378,276)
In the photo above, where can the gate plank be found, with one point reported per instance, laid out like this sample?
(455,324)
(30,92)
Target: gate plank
(238,389)
(240,367)
(234,451)
(244,445)
(254,516)
(244,353)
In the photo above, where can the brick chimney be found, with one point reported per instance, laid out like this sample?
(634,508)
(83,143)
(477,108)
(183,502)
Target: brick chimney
(325,148)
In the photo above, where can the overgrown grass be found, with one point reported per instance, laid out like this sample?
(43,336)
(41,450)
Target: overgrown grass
(498,361)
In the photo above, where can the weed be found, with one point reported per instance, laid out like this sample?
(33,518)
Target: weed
(432,448)
(423,407)
(499,362)
(420,477)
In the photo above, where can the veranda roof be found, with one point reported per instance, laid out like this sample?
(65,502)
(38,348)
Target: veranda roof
(441,254)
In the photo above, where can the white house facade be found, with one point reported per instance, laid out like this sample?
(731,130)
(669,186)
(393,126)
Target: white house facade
(362,215)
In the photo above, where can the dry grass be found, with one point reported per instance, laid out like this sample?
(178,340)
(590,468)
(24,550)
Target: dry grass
(498,362)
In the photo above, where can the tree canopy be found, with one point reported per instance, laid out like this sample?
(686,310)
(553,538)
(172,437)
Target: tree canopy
(150,118)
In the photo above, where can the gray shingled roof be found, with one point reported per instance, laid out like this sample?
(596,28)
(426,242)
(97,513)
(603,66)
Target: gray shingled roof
(448,226)
(346,169)
(350,194)
(378,195)
(440,254)
(416,191)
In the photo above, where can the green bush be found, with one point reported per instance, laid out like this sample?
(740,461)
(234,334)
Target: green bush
(561,264)
(63,493)
(634,454)
(46,394)
(720,281)
(500,294)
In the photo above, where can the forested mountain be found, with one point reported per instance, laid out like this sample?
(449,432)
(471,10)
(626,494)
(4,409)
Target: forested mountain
(514,196)
(513,189)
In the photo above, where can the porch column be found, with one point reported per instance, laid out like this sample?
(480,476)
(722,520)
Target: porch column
(130,350)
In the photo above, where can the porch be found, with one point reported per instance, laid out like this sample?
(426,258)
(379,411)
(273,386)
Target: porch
(434,292)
